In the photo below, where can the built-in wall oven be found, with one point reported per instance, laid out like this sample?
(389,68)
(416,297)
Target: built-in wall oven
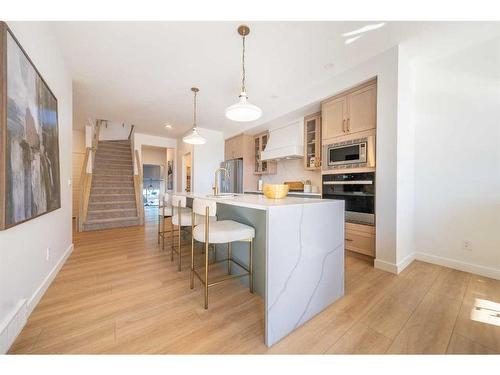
(353,153)
(358,192)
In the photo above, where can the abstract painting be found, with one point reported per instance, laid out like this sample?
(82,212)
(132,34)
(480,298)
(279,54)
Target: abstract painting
(30,140)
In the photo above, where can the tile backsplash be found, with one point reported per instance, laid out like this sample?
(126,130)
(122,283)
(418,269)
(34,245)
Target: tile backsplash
(293,170)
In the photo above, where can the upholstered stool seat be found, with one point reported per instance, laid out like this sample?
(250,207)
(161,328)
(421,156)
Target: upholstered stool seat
(218,232)
(224,231)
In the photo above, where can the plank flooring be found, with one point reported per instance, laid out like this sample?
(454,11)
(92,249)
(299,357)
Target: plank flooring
(118,293)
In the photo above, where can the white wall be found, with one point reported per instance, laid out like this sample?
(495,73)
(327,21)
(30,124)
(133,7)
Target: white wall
(405,225)
(114,131)
(182,149)
(25,271)
(206,159)
(155,156)
(457,159)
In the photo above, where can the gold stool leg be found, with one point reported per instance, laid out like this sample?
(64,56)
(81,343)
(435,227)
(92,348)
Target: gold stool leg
(191,280)
(172,245)
(159,219)
(229,254)
(250,277)
(179,248)
(163,234)
(206,256)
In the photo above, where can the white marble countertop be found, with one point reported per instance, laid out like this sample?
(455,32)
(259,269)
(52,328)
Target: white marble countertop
(260,202)
(298,193)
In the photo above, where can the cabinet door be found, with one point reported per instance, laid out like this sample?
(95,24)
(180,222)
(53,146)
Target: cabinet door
(312,142)
(227,149)
(334,113)
(263,143)
(362,109)
(237,147)
(256,141)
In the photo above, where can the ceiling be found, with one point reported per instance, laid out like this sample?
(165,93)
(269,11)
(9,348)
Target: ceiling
(141,72)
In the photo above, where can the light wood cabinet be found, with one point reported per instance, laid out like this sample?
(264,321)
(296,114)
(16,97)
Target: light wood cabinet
(334,114)
(233,148)
(350,112)
(262,167)
(362,105)
(360,238)
(312,142)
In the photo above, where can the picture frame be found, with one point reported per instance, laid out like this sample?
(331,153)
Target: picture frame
(29,137)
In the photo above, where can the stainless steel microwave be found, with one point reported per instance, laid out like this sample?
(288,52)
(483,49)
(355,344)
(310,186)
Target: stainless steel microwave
(354,153)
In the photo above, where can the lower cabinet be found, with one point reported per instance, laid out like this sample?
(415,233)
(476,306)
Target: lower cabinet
(360,238)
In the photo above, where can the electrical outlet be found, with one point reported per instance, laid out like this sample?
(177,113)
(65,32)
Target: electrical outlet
(467,245)
(48,253)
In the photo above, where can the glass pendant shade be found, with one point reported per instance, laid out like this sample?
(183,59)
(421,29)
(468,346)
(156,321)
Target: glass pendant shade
(243,111)
(194,138)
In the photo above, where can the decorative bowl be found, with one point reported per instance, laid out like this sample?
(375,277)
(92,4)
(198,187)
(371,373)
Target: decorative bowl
(275,191)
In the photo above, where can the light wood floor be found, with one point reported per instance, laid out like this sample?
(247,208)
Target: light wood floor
(117,293)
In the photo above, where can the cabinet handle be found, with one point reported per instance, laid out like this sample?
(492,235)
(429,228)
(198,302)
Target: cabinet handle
(348,127)
(343,125)
(348,239)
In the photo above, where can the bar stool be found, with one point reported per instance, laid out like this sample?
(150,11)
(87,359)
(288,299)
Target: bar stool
(164,212)
(218,232)
(181,218)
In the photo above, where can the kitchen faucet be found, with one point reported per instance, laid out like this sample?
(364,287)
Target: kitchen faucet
(226,173)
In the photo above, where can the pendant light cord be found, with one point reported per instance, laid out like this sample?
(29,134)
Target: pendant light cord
(243,61)
(194,113)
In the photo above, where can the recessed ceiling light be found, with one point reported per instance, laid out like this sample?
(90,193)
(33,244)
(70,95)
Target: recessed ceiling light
(168,126)
(353,39)
(328,66)
(274,96)
(364,29)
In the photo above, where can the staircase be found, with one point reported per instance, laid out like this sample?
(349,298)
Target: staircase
(112,200)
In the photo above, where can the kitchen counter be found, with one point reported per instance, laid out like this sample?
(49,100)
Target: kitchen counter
(259,202)
(290,193)
(298,255)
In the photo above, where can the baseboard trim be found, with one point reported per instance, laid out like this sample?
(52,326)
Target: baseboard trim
(385,266)
(37,296)
(493,273)
(393,267)
(16,320)
(405,262)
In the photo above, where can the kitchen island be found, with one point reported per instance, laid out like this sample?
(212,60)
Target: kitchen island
(298,255)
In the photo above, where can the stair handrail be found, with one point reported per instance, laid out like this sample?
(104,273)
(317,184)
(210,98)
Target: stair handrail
(138,188)
(132,128)
(84,186)
(86,177)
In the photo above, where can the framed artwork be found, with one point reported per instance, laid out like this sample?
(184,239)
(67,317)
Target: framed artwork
(170,175)
(29,137)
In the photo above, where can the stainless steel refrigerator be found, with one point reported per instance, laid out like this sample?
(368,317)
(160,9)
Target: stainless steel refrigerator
(234,182)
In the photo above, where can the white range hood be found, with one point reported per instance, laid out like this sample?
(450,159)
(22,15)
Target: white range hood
(286,142)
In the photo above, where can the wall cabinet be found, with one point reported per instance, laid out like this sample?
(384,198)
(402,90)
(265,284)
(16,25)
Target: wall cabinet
(360,238)
(312,142)
(233,148)
(262,167)
(351,112)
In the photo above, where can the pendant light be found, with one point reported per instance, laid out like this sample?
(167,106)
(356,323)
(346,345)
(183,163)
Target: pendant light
(194,138)
(243,111)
